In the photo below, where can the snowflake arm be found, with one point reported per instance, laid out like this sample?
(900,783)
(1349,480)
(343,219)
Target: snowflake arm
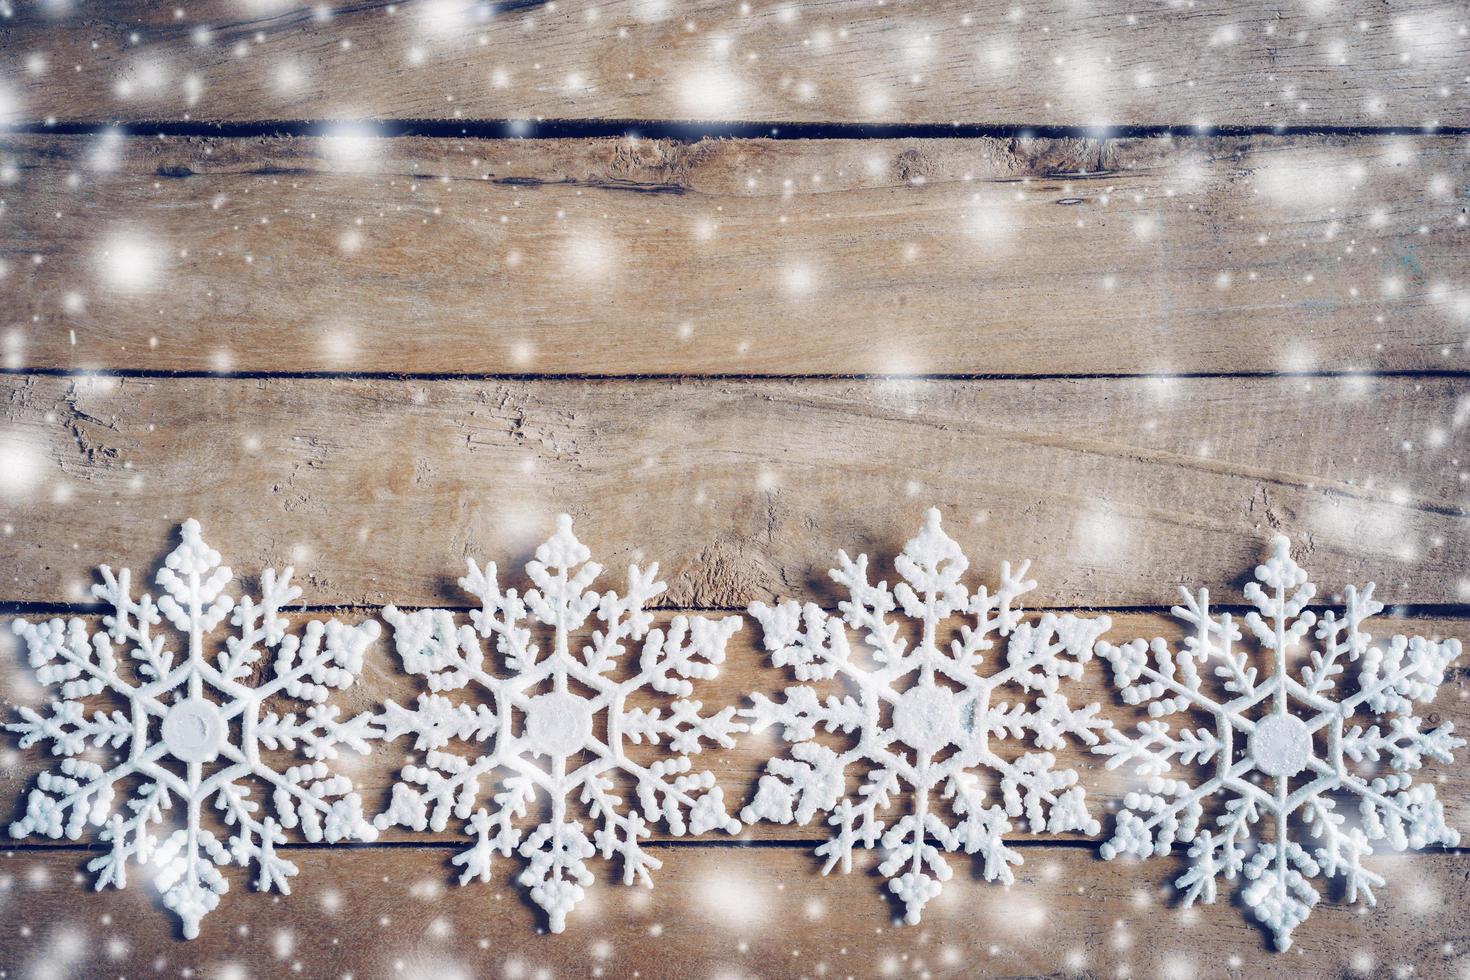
(804,638)
(130,836)
(626,619)
(797,789)
(1153,751)
(802,711)
(497,832)
(129,622)
(258,624)
(859,824)
(983,828)
(620,833)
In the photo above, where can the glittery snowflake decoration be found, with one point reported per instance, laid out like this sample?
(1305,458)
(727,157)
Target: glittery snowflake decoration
(925,719)
(558,723)
(193,730)
(1281,750)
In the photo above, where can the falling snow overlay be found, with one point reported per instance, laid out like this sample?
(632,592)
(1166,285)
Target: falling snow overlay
(193,730)
(534,727)
(925,718)
(1271,729)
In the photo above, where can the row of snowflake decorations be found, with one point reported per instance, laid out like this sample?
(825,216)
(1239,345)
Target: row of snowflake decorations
(552,726)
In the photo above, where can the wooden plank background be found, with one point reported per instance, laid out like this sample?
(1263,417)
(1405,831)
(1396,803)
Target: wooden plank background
(1122,288)
(941,62)
(1166,255)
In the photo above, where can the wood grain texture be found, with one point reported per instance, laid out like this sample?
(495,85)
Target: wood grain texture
(724,912)
(610,257)
(1053,62)
(1120,490)
(747,669)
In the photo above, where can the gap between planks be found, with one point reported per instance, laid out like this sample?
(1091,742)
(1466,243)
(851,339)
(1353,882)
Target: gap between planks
(146,374)
(1407,611)
(676,843)
(673,843)
(690,131)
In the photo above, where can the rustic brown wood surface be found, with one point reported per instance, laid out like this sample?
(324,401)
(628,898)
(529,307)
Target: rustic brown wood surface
(1156,352)
(726,912)
(1120,490)
(1049,63)
(954,256)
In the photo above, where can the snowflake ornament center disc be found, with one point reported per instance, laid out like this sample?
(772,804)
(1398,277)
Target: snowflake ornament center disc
(194,730)
(558,723)
(1281,745)
(927,718)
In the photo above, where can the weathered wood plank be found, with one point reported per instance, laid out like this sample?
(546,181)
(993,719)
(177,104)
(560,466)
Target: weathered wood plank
(722,912)
(746,670)
(1053,62)
(1121,490)
(979,256)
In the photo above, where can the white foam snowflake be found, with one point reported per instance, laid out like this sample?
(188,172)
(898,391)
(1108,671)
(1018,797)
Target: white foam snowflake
(1274,729)
(193,729)
(561,706)
(925,718)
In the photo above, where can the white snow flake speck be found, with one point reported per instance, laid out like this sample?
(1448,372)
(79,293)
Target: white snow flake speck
(1291,723)
(549,706)
(193,730)
(925,719)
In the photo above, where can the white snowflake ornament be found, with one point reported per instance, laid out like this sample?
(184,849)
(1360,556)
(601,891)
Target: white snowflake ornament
(925,718)
(558,723)
(193,730)
(1281,750)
